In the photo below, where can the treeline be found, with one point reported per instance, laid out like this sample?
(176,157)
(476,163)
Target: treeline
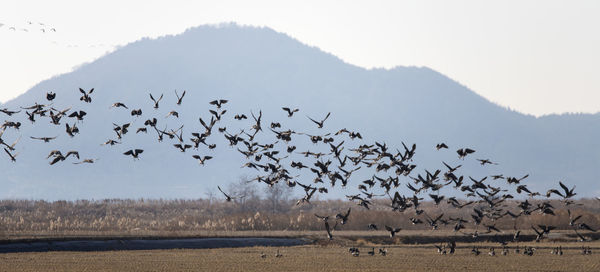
(252,213)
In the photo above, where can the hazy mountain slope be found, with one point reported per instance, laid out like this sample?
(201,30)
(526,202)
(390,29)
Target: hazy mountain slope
(258,68)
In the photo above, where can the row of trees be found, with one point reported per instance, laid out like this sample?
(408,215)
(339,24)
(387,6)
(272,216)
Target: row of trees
(267,208)
(249,196)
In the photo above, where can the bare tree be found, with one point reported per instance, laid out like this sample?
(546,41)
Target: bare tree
(245,194)
(210,196)
(278,197)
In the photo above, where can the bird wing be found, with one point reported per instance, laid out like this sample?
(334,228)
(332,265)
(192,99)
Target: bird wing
(536,231)
(564,187)
(524,177)
(223,192)
(75,153)
(203,124)
(320,216)
(314,121)
(327,228)
(329,113)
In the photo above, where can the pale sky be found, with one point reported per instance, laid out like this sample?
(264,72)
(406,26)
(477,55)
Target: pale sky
(537,57)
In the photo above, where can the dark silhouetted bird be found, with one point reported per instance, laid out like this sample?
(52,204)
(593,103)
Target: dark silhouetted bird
(179,98)
(45,139)
(392,231)
(320,123)
(134,153)
(290,111)
(156,101)
(462,153)
(218,102)
(50,96)
(201,160)
(86,95)
(227,197)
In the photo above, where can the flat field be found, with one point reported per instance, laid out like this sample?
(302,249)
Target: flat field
(321,256)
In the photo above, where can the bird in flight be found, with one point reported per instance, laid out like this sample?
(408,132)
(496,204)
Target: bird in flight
(392,231)
(89,161)
(45,139)
(486,161)
(156,101)
(343,217)
(86,95)
(218,102)
(179,98)
(290,111)
(119,104)
(200,159)
(134,153)
(228,198)
(320,124)
(8,112)
(50,96)
(463,152)
(13,157)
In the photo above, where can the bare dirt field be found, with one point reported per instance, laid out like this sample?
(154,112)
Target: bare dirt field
(322,255)
(302,258)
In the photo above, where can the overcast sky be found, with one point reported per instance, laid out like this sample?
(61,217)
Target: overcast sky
(537,57)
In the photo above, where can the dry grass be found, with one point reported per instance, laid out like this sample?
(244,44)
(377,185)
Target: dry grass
(303,258)
(200,218)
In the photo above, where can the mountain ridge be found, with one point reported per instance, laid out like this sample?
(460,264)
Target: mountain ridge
(259,68)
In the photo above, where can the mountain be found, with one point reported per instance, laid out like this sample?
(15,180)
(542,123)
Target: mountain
(261,69)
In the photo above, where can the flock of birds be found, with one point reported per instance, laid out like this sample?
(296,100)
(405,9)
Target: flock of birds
(46,30)
(37,26)
(332,159)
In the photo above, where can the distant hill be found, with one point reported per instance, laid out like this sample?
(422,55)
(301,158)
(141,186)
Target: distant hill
(260,69)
